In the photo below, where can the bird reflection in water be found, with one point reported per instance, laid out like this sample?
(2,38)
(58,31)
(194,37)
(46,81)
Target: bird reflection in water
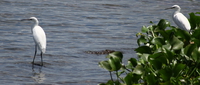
(38,76)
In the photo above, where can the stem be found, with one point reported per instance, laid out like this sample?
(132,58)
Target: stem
(152,33)
(151,69)
(128,70)
(193,70)
(111,76)
(117,75)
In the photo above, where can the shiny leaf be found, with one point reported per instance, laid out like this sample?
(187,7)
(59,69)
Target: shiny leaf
(128,79)
(105,65)
(196,55)
(176,43)
(141,40)
(138,69)
(158,41)
(157,60)
(165,74)
(163,24)
(144,29)
(114,63)
(183,34)
(116,55)
(151,80)
(178,68)
(132,61)
(189,49)
(143,49)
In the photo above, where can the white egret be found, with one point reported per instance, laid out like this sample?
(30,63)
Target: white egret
(180,20)
(39,37)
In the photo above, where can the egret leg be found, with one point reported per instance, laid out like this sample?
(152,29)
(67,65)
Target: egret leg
(41,59)
(35,53)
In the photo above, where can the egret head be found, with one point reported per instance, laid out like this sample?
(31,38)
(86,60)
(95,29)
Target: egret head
(33,18)
(174,7)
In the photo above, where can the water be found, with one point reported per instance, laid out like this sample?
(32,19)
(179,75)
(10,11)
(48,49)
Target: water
(73,27)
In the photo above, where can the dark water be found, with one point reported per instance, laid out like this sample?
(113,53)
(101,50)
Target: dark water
(73,27)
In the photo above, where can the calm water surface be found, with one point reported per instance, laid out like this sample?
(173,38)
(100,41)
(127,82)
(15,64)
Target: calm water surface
(73,27)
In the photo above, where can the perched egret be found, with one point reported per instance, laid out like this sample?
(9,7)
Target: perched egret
(39,37)
(180,20)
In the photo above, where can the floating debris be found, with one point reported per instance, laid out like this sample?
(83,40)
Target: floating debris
(100,52)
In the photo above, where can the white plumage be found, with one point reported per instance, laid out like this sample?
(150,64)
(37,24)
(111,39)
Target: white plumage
(39,37)
(180,20)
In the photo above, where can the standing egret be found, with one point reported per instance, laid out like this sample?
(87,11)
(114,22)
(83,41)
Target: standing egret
(180,19)
(39,37)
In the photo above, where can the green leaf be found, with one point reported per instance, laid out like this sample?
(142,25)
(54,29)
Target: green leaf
(157,60)
(138,70)
(163,24)
(110,82)
(196,34)
(167,46)
(166,34)
(151,80)
(165,74)
(117,82)
(178,68)
(194,21)
(143,58)
(116,55)
(105,65)
(195,41)
(169,55)
(158,41)
(144,29)
(114,63)
(143,49)
(189,49)
(176,43)
(141,40)
(132,61)
(131,79)
(128,79)
(183,34)
(196,55)
(120,72)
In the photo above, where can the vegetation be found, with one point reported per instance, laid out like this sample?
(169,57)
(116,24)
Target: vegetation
(166,55)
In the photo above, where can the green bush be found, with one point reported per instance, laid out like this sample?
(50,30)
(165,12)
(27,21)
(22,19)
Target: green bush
(166,55)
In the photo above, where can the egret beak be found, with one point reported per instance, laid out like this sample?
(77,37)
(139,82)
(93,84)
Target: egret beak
(25,19)
(170,8)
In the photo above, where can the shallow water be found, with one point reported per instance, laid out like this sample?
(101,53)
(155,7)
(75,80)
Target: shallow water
(73,27)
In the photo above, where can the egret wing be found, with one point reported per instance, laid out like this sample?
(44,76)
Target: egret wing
(181,21)
(39,37)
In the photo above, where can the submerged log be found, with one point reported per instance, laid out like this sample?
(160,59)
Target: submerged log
(100,52)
